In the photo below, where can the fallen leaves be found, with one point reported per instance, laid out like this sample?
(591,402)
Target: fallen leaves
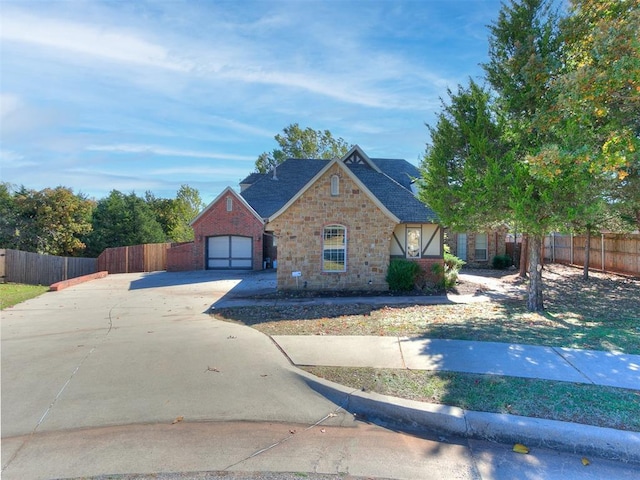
(585,461)
(520,448)
(177,420)
(212,369)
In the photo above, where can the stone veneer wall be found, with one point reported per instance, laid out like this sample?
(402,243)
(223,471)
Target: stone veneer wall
(299,231)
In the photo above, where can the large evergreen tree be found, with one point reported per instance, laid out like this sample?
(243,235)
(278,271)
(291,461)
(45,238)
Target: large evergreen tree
(120,220)
(544,160)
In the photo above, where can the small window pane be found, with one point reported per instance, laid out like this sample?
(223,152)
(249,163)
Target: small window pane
(334,249)
(414,243)
(229,204)
(335,185)
(481,246)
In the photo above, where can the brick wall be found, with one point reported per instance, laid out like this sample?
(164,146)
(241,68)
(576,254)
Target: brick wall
(182,257)
(300,228)
(495,246)
(216,220)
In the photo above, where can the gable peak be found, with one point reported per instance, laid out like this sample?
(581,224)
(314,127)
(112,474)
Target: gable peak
(356,156)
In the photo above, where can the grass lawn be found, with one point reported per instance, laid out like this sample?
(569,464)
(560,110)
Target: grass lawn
(570,402)
(602,313)
(14,293)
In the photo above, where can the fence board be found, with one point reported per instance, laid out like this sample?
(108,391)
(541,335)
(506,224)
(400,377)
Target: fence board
(36,269)
(3,257)
(149,257)
(619,253)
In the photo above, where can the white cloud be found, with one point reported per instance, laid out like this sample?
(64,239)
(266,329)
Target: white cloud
(93,40)
(8,104)
(163,151)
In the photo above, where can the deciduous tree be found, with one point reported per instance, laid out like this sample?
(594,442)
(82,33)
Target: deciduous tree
(298,143)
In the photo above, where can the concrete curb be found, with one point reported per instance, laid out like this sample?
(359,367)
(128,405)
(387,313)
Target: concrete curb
(56,287)
(413,416)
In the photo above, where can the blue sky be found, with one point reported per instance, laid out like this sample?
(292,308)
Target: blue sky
(138,96)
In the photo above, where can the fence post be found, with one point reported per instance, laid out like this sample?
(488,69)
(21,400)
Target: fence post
(602,250)
(571,259)
(3,260)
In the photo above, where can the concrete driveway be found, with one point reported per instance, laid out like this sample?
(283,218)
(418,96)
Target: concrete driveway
(127,374)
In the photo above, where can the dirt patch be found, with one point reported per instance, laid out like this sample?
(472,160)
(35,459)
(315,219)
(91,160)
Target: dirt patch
(602,313)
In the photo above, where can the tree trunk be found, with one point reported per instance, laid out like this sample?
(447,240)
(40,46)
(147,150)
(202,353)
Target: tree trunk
(523,256)
(587,255)
(534,298)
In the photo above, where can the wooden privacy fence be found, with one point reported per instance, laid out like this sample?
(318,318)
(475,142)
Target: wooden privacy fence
(149,257)
(619,253)
(36,269)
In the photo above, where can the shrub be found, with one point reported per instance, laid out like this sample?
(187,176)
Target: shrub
(500,262)
(402,275)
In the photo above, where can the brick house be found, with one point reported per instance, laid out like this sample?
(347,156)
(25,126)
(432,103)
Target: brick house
(325,224)
(478,248)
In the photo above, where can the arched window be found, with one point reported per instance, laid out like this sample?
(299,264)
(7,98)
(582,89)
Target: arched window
(335,185)
(334,249)
(229,204)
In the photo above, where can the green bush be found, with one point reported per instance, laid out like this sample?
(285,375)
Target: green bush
(402,275)
(500,262)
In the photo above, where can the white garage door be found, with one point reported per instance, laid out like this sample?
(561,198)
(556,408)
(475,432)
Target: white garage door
(229,251)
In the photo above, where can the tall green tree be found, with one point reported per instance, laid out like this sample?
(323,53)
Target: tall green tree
(50,221)
(121,220)
(295,142)
(598,96)
(528,179)
(466,171)
(8,214)
(175,215)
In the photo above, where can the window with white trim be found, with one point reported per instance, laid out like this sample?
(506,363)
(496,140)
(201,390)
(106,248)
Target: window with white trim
(335,185)
(481,247)
(334,248)
(229,204)
(414,242)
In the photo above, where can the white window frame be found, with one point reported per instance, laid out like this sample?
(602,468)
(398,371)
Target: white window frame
(414,253)
(335,185)
(481,246)
(229,204)
(330,232)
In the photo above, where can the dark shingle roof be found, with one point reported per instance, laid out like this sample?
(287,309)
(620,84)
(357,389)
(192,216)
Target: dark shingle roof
(251,178)
(267,195)
(398,199)
(392,187)
(399,170)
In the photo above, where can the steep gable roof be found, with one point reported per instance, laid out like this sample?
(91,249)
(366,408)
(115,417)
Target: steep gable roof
(227,191)
(267,195)
(387,181)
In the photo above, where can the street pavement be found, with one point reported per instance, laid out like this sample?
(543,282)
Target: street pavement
(128,374)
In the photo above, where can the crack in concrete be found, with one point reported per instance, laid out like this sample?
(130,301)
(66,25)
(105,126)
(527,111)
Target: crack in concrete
(285,439)
(59,394)
(559,353)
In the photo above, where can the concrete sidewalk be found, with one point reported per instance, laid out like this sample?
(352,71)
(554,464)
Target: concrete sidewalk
(549,363)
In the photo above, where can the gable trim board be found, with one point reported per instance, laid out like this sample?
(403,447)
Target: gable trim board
(227,191)
(351,175)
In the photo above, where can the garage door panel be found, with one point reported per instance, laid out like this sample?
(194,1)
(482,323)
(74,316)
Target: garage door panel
(219,247)
(229,251)
(241,247)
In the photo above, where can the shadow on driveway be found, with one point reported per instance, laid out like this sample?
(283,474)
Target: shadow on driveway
(241,283)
